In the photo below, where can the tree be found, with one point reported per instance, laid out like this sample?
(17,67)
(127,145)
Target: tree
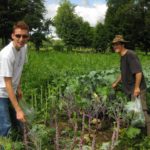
(39,35)
(147,29)
(129,18)
(32,11)
(5,23)
(65,23)
(114,17)
(100,42)
(143,8)
(84,34)
(71,28)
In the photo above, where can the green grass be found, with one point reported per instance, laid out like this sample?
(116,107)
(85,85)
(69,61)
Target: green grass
(57,67)
(81,62)
(8,144)
(42,66)
(45,65)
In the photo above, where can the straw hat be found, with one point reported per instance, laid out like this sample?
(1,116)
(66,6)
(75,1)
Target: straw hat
(119,38)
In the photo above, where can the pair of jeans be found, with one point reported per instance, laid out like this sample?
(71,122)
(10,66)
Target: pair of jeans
(5,120)
(7,117)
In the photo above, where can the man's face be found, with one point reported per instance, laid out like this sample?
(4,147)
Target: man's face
(20,37)
(117,47)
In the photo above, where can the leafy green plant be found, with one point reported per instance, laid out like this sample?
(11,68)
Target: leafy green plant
(8,144)
(66,90)
(129,138)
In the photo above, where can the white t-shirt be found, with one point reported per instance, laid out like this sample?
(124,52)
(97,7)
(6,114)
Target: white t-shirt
(11,65)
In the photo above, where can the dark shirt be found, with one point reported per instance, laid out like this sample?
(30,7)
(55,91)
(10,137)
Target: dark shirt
(129,66)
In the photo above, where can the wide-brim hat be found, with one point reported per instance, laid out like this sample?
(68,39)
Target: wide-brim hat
(119,39)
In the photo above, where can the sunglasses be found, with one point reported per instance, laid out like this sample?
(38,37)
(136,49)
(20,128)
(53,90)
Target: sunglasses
(24,36)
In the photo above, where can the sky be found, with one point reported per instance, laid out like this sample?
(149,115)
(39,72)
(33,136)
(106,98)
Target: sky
(92,11)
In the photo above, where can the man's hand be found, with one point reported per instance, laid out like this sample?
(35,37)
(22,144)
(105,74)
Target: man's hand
(20,116)
(19,113)
(136,92)
(114,85)
(138,78)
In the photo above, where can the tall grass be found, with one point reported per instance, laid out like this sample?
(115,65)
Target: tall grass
(41,66)
(44,65)
(52,69)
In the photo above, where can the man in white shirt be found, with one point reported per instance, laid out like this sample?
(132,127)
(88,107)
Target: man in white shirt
(12,59)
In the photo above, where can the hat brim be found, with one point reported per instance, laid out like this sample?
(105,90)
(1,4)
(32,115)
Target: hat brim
(121,41)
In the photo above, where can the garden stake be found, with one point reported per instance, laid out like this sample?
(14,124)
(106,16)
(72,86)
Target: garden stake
(75,136)
(82,134)
(57,134)
(94,142)
(25,138)
(41,89)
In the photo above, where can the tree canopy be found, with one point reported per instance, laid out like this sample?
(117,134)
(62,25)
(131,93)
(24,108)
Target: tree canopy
(31,11)
(130,18)
(71,28)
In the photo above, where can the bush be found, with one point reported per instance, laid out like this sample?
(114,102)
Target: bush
(8,144)
(58,45)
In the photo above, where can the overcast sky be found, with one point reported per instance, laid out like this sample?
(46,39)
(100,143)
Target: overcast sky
(90,10)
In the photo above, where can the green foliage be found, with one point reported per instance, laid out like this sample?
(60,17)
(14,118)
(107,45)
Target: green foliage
(145,144)
(65,23)
(132,132)
(135,22)
(8,144)
(50,65)
(71,28)
(40,32)
(58,45)
(41,136)
(37,38)
(85,34)
(130,139)
(100,42)
(66,86)
(32,11)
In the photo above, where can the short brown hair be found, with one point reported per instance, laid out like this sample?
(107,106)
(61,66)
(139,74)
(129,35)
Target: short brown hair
(21,25)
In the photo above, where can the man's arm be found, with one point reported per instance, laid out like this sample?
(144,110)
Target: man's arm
(114,85)
(19,113)
(138,77)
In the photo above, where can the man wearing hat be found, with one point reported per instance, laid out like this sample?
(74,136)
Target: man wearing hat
(131,76)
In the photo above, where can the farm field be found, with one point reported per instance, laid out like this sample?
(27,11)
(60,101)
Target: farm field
(68,99)
(42,65)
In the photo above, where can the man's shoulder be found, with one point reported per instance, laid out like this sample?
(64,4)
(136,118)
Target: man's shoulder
(131,53)
(7,47)
(6,51)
